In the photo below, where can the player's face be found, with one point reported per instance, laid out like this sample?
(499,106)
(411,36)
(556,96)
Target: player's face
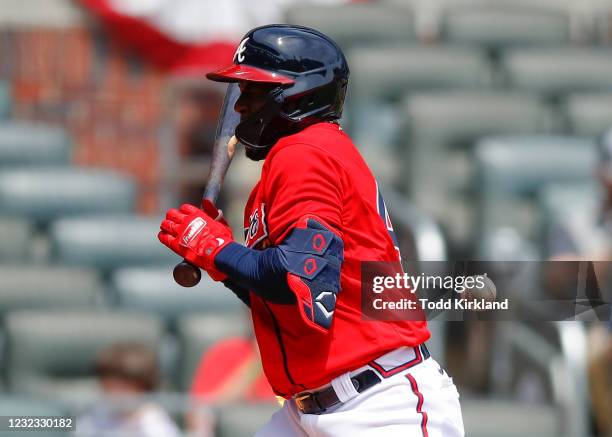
(252,97)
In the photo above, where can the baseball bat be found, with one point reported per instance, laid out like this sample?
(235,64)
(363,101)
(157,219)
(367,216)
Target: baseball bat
(185,273)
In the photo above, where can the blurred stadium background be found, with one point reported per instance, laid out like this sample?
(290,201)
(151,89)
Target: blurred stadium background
(479,119)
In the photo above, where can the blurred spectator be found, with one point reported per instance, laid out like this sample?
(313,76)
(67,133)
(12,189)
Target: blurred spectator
(126,372)
(230,371)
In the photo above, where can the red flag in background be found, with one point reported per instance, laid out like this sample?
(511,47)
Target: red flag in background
(139,30)
(186,36)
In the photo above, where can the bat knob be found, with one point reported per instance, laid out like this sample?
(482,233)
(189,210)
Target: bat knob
(186,274)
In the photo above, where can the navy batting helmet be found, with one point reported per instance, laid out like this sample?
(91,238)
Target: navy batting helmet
(310,73)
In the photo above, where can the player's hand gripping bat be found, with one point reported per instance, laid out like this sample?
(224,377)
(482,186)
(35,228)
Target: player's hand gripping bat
(185,273)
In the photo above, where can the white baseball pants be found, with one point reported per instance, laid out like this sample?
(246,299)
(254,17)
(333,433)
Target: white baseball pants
(421,401)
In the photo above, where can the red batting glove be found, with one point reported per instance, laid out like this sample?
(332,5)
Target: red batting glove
(196,236)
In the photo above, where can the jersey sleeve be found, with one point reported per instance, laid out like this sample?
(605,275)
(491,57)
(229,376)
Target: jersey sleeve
(304,194)
(302,180)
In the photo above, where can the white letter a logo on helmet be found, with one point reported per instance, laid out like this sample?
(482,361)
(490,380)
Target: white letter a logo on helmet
(238,56)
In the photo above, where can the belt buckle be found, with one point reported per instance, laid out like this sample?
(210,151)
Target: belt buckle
(298,400)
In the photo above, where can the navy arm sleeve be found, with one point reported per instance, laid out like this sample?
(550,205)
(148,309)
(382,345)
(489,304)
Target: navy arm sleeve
(258,270)
(305,268)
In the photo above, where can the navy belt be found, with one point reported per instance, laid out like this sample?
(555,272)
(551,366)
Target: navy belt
(320,401)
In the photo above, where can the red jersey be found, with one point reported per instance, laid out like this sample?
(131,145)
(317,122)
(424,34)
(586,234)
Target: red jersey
(318,172)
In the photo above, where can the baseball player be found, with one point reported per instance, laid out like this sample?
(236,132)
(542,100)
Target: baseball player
(314,215)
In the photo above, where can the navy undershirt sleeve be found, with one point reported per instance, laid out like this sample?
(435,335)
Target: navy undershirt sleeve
(261,271)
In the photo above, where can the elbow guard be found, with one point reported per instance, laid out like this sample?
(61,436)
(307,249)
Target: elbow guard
(312,255)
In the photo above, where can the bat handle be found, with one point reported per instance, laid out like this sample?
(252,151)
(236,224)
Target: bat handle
(186,274)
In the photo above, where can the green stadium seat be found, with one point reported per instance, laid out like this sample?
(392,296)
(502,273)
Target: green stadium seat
(109,241)
(27,143)
(198,332)
(512,169)
(388,72)
(52,353)
(502,26)
(243,420)
(352,25)
(16,235)
(5,99)
(557,71)
(439,133)
(503,418)
(457,118)
(154,290)
(44,193)
(382,76)
(47,287)
(522,164)
(589,114)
